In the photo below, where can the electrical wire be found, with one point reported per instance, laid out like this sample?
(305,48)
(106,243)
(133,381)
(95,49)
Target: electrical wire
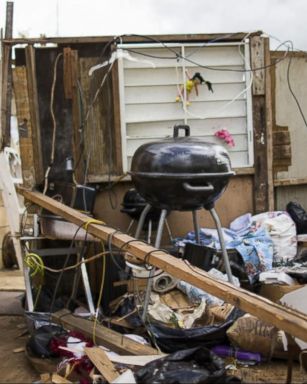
(54,124)
(100,291)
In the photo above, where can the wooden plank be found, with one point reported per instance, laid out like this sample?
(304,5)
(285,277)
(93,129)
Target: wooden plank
(260,156)
(67,73)
(257,61)
(289,182)
(221,37)
(78,142)
(103,335)
(34,113)
(5,96)
(283,318)
(116,119)
(101,361)
(6,79)
(269,124)
(20,86)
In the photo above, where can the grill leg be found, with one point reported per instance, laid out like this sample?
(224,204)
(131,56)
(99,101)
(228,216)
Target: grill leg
(222,242)
(152,271)
(196,227)
(142,221)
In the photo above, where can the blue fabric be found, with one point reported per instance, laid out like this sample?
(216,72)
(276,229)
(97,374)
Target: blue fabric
(254,245)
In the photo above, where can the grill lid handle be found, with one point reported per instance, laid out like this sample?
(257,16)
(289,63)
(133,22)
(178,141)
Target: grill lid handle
(185,127)
(198,188)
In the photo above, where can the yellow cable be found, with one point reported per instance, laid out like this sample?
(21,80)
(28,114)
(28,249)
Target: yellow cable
(92,221)
(36,264)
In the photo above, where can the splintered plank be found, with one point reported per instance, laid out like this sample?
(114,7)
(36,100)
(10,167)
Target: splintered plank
(103,335)
(101,361)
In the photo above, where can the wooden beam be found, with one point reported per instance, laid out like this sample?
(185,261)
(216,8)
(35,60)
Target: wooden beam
(283,318)
(220,37)
(257,61)
(103,335)
(262,122)
(6,79)
(269,124)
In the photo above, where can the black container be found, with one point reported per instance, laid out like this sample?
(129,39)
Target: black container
(181,173)
(133,205)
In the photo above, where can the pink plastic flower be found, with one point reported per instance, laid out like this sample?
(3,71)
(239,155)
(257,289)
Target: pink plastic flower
(226,136)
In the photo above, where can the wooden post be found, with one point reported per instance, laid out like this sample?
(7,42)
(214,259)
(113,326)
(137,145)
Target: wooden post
(262,122)
(6,92)
(291,321)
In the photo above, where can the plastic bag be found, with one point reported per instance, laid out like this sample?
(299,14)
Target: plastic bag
(298,215)
(38,344)
(282,231)
(195,366)
(172,339)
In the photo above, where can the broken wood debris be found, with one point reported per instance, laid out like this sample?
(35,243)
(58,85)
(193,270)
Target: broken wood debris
(101,361)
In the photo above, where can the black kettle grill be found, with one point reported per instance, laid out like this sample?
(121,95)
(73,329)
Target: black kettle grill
(181,173)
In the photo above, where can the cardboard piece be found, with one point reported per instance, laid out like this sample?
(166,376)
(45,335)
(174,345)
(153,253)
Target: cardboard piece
(275,292)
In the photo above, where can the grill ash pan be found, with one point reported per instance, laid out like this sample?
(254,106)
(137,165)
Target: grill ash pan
(181,173)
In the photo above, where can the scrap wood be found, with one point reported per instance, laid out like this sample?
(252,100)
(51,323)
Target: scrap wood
(104,336)
(101,361)
(283,318)
(57,379)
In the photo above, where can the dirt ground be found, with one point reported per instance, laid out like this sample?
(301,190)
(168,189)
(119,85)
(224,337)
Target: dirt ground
(15,367)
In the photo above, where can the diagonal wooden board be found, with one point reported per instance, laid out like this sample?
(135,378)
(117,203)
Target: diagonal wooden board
(289,320)
(101,361)
(104,336)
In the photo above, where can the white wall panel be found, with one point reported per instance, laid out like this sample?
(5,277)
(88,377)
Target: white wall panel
(148,96)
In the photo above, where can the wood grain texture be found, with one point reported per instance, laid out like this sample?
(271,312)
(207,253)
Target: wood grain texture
(103,335)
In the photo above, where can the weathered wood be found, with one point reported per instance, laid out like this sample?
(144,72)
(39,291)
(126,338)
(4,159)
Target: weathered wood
(281,137)
(257,61)
(78,142)
(34,113)
(289,182)
(238,36)
(67,73)
(269,124)
(6,96)
(284,318)
(116,120)
(101,361)
(260,156)
(103,335)
(20,86)
(6,79)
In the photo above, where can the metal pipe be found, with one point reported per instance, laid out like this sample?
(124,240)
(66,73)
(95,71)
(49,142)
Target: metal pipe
(142,221)
(196,226)
(222,242)
(152,271)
